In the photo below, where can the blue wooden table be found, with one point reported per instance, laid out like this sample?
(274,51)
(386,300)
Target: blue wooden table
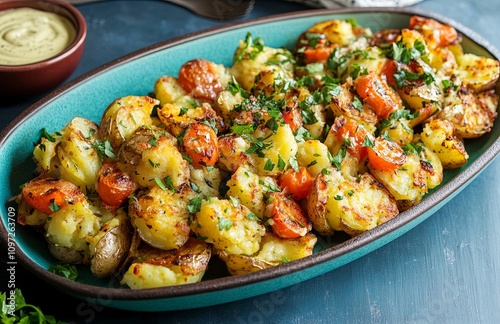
(446,270)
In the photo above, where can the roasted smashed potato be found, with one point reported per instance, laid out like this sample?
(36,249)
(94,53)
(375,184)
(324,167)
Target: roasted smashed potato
(249,163)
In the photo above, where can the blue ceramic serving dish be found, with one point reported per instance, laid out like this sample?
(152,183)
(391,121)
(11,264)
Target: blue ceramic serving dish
(135,74)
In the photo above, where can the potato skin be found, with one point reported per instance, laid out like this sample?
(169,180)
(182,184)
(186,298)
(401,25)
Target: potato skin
(110,246)
(472,115)
(124,116)
(148,155)
(273,251)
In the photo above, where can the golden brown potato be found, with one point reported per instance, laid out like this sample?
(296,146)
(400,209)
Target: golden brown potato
(177,118)
(232,154)
(150,156)
(338,204)
(314,156)
(168,90)
(478,72)
(45,155)
(273,251)
(78,157)
(472,115)
(439,136)
(229,226)
(161,216)
(124,116)
(337,31)
(278,148)
(206,181)
(225,103)
(250,189)
(421,171)
(251,59)
(153,268)
(70,228)
(343,104)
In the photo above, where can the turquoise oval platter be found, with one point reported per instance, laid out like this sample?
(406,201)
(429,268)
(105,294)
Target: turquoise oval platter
(135,74)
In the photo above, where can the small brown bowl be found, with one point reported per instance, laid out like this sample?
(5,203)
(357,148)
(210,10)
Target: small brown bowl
(33,78)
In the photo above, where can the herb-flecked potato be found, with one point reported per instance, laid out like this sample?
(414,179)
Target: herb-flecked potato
(124,116)
(439,136)
(338,204)
(229,226)
(151,154)
(71,227)
(78,158)
(161,217)
(421,171)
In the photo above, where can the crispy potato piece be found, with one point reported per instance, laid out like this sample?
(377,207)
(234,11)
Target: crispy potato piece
(79,160)
(232,154)
(278,148)
(124,116)
(206,180)
(161,217)
(153,268)
(343,105)
(472,115)
(439,136)
(352,206)
(273,251)
(229,226)
(247,188)
(250,60)
(177,118)
(339,32)
(168,90)
(152,154)
(421,171)
(70,228)
(225,103)
(45,155)
(314,156)
(478,72)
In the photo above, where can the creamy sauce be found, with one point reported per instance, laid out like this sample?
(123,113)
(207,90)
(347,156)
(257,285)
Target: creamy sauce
(29,35)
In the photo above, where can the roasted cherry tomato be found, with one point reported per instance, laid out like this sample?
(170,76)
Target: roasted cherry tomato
(385,155)
(113,185)
(200,143)
(292,116)
(377,93)
(297,184)
(348,131)
(199,78)
(286,217)
(48,195)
